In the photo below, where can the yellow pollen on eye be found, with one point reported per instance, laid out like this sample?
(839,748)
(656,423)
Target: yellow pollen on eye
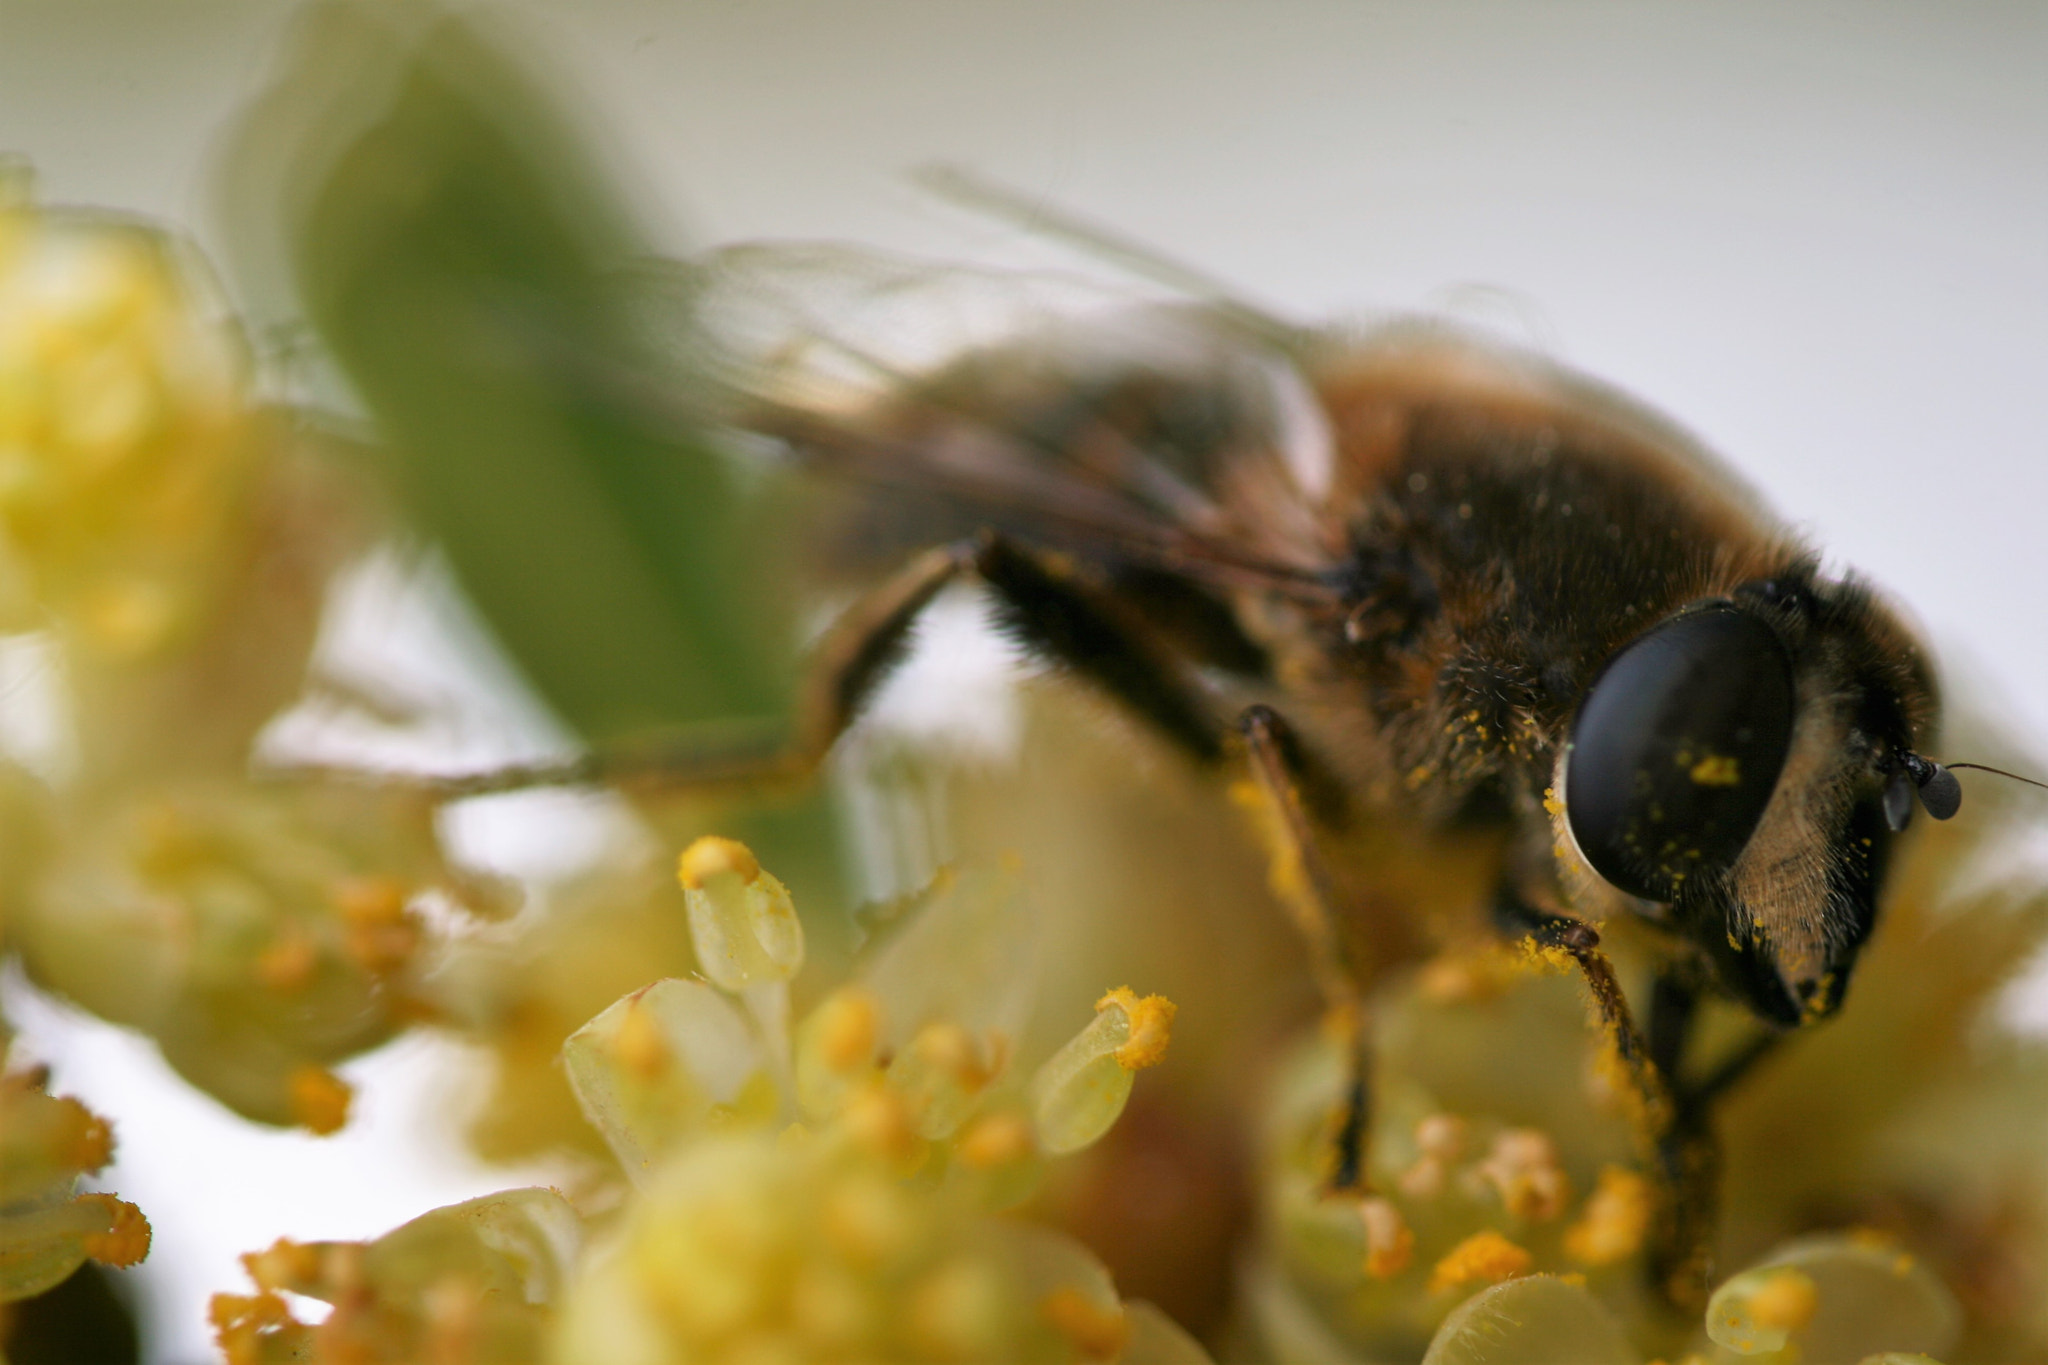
(1715,770)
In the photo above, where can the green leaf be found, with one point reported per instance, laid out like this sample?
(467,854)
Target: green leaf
(463,260)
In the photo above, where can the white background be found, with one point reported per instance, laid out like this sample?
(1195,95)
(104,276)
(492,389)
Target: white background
(1815,234)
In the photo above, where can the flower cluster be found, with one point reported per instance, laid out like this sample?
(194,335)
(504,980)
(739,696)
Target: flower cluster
(821,1189)
(935,1153)
(165,547)
(47,1228)
(128,449)
(468,1283)
(1502,1226)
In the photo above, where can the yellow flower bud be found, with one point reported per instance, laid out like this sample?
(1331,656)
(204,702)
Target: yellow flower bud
(741,919)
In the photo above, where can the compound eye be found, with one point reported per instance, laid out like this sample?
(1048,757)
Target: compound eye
(1676,750)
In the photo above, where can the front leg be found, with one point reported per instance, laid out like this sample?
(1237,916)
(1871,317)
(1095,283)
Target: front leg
(1671,1123)
(1039,600)
(1690,1151)
(1303,885)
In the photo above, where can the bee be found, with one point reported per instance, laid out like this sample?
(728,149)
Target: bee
(1434,594)
(1449,588)
(1440,595)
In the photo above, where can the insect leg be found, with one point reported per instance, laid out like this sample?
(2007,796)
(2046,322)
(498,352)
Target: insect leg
(1041,603)
(1580,941)
(1690,1151)
(1303,885)
(1671,1122)
(854,658)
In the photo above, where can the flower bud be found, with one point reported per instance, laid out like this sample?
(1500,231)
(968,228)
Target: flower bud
(741,919)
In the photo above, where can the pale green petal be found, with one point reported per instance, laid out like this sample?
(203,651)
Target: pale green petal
(1868,1297)
(651,1069)
(1539,1320)
(1157,1339)
(965,951)
(1081,1090)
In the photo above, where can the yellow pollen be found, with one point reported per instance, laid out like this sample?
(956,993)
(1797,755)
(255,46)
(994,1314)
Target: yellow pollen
(1151,1021)
(638,1044)
(850,1030)
(285,1264)
(1098,1333)
(1545,958)
(126,1239)
(711,856)
(89,1144)
(1484,1256)
(1615,1221)
(878,1119)
(288,963)
(948,1049)
(1715,770)
(1785,1302)
(369,900)
(318,1099)
(1389,1244)
(996,1140)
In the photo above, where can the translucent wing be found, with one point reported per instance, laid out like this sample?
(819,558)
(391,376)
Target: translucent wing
(1107,419)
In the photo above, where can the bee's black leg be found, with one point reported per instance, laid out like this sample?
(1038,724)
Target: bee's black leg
(1690,1151)
(1045,606)
(1671,1120)
(1647,1081)
(1304,888)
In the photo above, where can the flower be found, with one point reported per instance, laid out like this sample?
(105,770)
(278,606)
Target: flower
(127,443)
(47,1228)
(816,1192)
(469,1284)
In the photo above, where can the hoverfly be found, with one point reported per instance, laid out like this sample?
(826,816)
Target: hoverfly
(1421,583)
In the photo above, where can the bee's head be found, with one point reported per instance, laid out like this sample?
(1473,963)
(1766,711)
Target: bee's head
(1743,765)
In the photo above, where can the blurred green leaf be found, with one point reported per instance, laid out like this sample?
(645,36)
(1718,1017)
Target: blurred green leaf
(460,256)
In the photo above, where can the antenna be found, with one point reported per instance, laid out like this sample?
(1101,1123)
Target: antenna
(1940,793)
